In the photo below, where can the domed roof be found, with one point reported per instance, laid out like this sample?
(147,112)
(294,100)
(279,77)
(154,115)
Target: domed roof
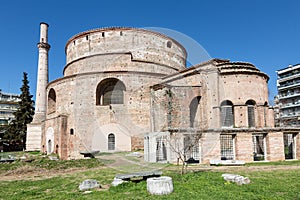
(239,67)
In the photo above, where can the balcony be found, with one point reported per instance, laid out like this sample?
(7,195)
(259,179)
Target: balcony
(290,105)
(290,115)
(289,85)
(289,95)
(288,77)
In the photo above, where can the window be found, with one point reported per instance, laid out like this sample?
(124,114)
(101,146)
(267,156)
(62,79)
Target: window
(111,141)
(195,112)
(227,147)
(227,114)
(161,150)
(110,91)
(3,122)
(169,44)
(289,145)
(258,147)
(251,113)
(51,101)
(191,148)
(71,131)
(265,113)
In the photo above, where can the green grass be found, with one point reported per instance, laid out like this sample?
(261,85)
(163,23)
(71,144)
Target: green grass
(266,185)
(199,185)
(284,162)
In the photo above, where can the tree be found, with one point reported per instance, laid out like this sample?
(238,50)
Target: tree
(16,130)
(184,147)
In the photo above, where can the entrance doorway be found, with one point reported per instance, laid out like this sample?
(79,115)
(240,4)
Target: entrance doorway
(289,145)
(49,149)
(111,141)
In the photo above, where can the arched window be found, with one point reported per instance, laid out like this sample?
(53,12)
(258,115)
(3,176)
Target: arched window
(169,44)
(227,114)
(111,141)
(51,101)
(251,113)
(266,105)
(110,91)
(195,112)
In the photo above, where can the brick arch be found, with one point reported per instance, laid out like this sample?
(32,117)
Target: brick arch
(51,101)
(251,112)
(110,91)
(195,112)
(227,114)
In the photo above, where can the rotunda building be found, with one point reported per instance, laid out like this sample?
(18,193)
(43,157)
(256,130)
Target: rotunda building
(103,101)
(125,89)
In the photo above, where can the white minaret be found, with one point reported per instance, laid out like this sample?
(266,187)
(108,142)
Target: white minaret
(34,129)
(42,75)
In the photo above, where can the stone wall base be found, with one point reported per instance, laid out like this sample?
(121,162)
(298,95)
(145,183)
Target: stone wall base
(34,137)
(137,143)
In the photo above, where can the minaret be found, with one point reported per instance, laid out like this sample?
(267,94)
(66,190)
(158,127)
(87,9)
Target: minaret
(34,129)
(42,75)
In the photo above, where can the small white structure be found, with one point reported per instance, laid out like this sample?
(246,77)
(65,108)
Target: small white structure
(227,162)
(160,185)
(89,184)
(117,181)
(240,180)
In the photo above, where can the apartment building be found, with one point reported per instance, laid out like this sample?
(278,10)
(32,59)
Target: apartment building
(288,99)
(8,105)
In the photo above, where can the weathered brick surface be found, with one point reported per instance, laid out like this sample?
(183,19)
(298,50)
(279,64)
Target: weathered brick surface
(137,143)
(275,146)
(244,146)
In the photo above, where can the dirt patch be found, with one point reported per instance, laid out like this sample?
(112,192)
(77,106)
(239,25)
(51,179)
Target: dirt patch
(21,170)
(39,174)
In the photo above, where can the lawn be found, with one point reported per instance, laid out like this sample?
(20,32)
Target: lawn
(267,184)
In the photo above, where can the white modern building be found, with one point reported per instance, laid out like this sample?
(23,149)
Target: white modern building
(8,105)
(288,99)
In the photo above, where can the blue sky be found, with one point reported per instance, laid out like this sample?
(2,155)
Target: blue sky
(265,33)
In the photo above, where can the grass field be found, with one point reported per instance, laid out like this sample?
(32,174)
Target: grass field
(282,183)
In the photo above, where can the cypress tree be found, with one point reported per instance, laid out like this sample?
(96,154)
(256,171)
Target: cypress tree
(24,114)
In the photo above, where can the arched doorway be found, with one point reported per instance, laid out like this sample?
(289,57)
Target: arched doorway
(111,141)
(49,147)
(50,140)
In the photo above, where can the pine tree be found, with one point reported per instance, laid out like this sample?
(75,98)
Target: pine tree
(17,128)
